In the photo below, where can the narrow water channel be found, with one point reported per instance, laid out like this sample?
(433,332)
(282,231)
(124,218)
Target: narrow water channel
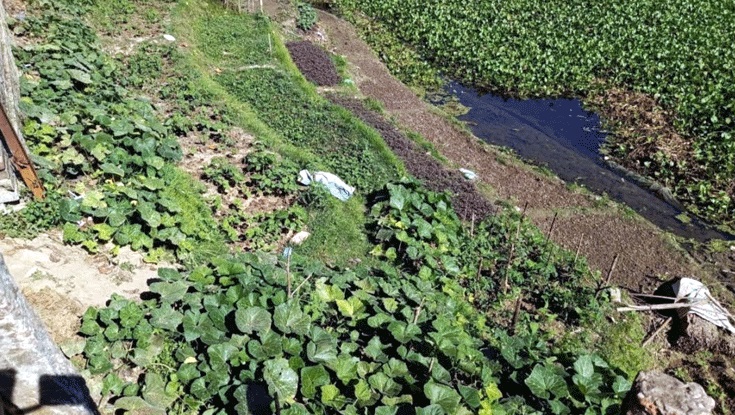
(561,135)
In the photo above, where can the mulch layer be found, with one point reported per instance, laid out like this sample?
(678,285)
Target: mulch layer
(468,202)
(314,63)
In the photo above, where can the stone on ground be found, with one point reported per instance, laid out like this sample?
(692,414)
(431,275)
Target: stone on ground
(656,393)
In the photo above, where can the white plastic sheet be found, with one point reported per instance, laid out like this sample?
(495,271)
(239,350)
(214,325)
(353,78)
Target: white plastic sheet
(468,174)
(707,307)
(334,184)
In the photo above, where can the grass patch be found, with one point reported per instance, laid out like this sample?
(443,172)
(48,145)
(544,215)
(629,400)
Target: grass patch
(620,345)
(338,230)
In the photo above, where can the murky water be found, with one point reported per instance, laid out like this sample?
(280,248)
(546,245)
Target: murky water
(561,135)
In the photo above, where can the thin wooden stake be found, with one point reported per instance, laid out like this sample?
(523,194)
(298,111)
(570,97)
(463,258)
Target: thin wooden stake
(549,255)
(579,247)
(612,268)
(653,307)
(551,228)
(417,313)
(515,314)
(655,333)
(513,248)
(278,405)
(288,274)
(472,227)
(510,258)
(606,283)
(18,156)
(300,285)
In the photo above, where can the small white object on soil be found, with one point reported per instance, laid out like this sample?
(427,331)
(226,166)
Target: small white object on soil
(469,174)
(299,238)
(616,296)
(169,38)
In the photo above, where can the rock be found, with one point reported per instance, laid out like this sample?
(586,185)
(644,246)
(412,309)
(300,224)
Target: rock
(691,333)
(169,38)
(656,393)
(34,374)
(694,334)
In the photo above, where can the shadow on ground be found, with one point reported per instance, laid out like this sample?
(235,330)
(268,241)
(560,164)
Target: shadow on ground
(54,390)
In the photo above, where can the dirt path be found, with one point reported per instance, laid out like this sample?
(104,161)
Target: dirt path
(601,230)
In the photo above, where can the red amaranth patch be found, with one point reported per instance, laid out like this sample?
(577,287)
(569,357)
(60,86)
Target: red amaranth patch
(314,63)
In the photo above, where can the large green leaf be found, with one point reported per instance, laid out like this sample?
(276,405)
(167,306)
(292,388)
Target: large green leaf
(220,355)
(79,76)
(170,292)
(545,380)
(166,317)
(253,319)
(375,350)
(137,405)
(470,395)
(289,318)
(332,397)
(352,307)
(430,410)
(621,385)
(364,394)
(404,332)
(272,343)
(311,378)
(322,348)
(396,368)
(384,384)
(155,392)
(443,396)
(281,379)
(345,367)
(583,366)
(149,214)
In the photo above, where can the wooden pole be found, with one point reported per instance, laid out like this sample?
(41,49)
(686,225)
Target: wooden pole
(19,157)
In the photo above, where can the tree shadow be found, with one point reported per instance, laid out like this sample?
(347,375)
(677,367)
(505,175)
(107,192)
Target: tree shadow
(54,390)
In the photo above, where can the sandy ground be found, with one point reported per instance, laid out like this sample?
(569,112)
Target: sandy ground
(61,281)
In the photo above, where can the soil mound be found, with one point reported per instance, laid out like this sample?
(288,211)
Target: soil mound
(314,63)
